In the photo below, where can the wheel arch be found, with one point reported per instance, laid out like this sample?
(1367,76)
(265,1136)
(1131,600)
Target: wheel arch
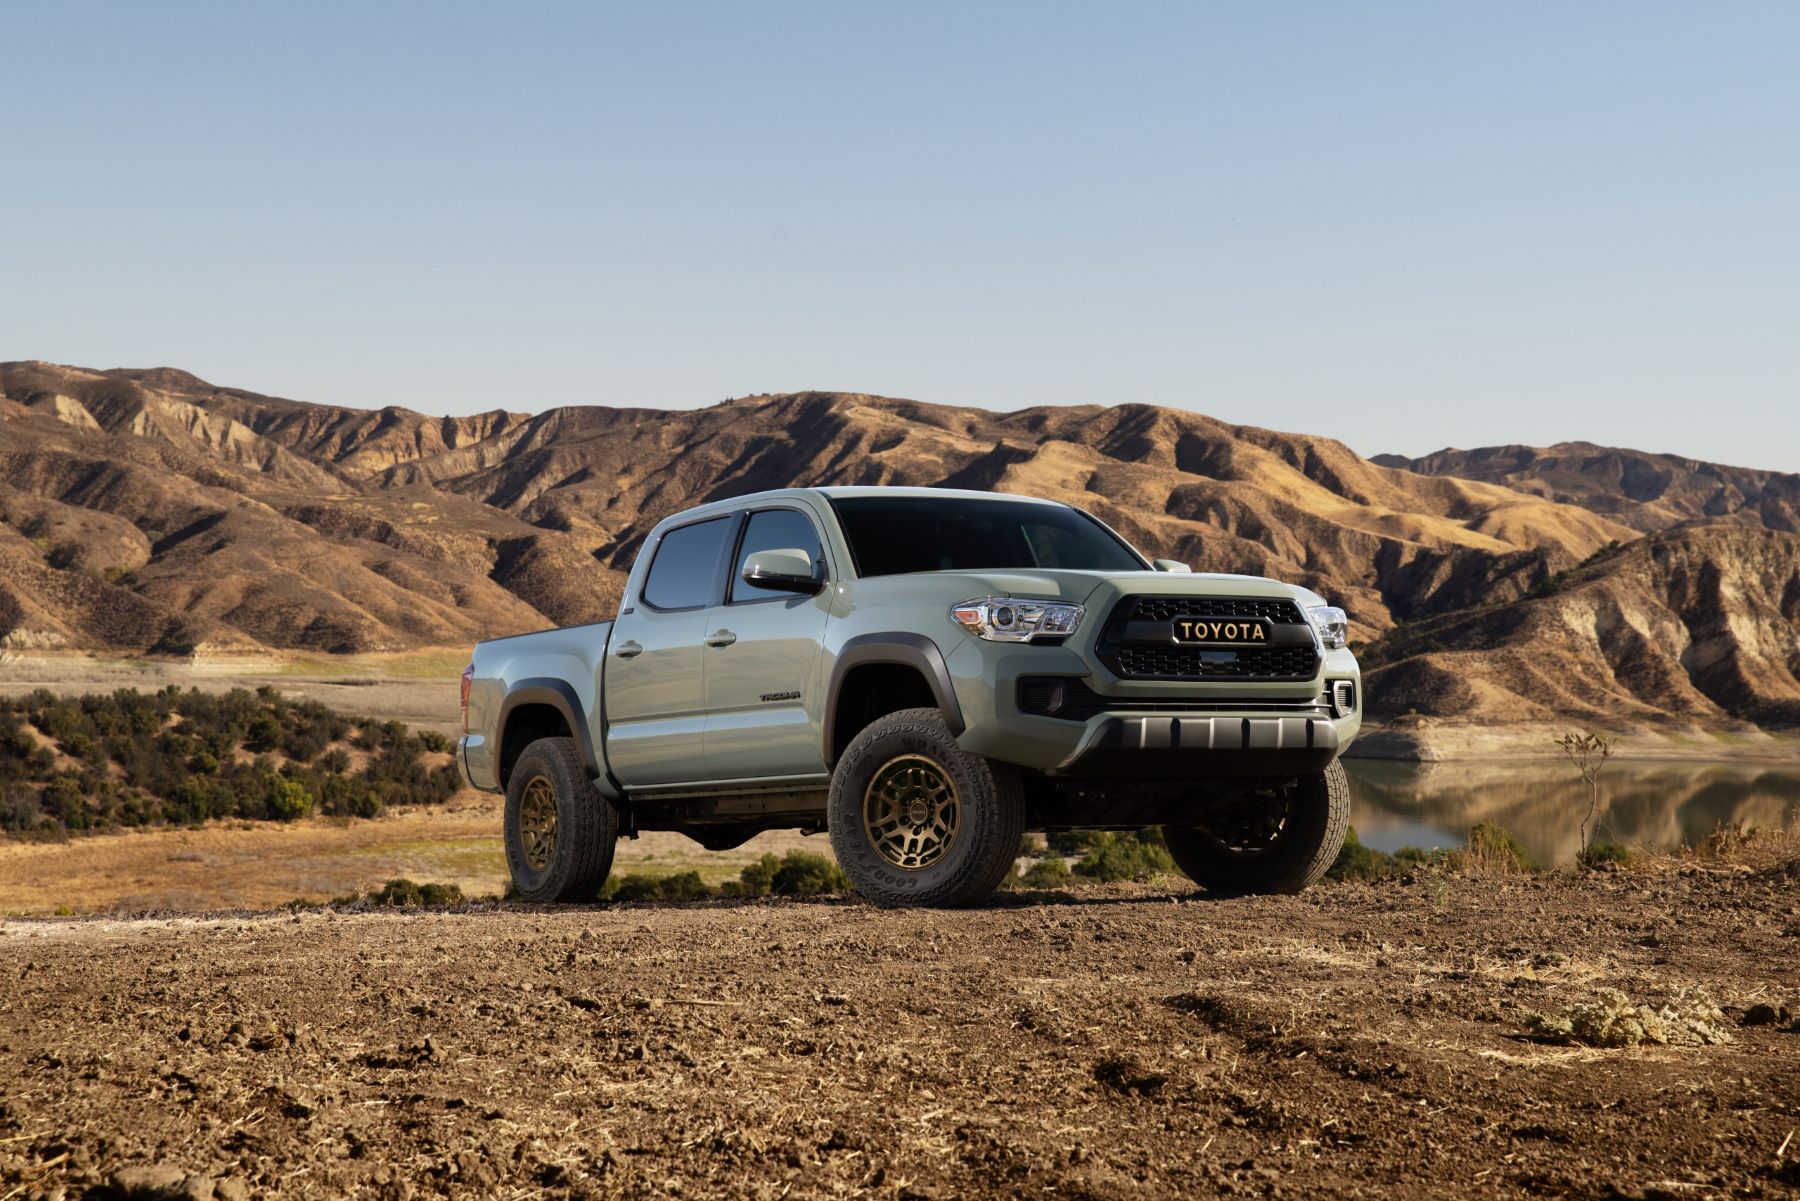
(541,707)
(876,674)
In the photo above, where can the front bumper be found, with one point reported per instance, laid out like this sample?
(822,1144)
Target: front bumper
(1150,730)
(1204,747)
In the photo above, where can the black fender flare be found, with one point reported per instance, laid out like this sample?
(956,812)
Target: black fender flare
(903,649)
(559,695)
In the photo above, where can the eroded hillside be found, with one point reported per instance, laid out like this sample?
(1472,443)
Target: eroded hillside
(1695,624)
(209,516)
(151,511)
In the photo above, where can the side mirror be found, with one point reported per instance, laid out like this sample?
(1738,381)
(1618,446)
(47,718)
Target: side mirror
(782,571)
(1171,565)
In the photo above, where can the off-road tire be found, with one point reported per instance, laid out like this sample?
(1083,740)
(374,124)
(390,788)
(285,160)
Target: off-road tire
(587,826)
(1318,817)
(990,826)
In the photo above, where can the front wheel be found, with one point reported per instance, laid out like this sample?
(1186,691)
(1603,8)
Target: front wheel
(1270,844)
(560,832)
(916,820)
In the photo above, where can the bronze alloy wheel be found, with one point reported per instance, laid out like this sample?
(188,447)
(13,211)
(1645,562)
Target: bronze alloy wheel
(537,824)
(911,812)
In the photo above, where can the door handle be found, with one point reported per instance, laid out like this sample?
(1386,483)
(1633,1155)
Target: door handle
(629,649)
(721,638)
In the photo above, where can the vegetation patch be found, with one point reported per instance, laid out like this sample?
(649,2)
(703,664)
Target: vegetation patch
(396,893)
(1357,863)
(795,874)
(1490,851)
(1605,856)
(1052,871)
(1109,857)
(74,764)
(1691,1018)
(1493,851)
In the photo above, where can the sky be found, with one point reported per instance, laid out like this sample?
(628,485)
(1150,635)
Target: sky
(1407,226)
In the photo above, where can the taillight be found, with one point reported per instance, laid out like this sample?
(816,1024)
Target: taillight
(468,679)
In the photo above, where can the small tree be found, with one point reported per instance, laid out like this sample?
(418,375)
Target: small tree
(1589,753)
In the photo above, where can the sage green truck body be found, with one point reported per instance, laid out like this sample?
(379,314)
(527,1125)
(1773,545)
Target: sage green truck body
(725,717)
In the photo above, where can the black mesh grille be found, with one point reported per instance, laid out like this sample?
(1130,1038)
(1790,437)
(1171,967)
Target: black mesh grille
(1183,663)
(1161,608)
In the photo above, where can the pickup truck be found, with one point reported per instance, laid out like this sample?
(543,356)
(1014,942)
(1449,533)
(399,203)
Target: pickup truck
(926,674)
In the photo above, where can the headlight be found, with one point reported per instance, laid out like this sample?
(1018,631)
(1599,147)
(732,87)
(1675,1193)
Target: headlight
(1333,625)
(1004,619)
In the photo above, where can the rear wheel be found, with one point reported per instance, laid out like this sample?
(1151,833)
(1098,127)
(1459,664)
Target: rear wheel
(916,820)
(1273,844)
(560,831)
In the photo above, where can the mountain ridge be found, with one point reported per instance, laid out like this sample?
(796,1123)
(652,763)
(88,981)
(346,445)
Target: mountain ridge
(1647,491)
(151,511)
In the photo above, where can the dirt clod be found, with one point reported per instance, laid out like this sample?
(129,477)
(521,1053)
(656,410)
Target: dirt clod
(149,1182)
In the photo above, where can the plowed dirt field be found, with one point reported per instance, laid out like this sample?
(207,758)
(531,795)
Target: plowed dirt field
(1121,1042)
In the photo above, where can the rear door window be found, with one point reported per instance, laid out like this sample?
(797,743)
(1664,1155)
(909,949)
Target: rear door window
(686,565)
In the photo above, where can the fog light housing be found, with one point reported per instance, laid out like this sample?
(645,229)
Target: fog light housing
(1040,694)
(1343,698)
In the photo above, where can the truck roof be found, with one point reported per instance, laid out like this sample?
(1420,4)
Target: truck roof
(727,504)
(846,492)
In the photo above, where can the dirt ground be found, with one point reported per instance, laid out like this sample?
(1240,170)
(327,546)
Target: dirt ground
(1125,1042)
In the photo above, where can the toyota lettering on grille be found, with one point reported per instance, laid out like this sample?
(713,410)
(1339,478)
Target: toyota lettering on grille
(1220,631)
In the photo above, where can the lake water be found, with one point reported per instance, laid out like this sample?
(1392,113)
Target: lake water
(1652,803)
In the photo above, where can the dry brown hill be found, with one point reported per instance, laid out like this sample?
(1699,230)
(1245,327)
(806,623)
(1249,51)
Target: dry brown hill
(1646,491)
(198,514)
(1699,625)
(152,511)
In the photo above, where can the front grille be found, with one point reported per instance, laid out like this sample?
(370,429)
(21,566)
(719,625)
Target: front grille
(1137,645)
(1161,608)
(1182,663)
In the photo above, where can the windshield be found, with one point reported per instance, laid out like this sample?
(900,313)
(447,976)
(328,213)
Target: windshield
(893,535)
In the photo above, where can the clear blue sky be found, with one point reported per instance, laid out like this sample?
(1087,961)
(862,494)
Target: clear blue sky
(1406,226)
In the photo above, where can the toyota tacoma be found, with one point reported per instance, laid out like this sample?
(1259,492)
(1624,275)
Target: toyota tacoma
(924,674)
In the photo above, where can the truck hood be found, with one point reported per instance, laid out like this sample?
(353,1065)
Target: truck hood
(1068,587)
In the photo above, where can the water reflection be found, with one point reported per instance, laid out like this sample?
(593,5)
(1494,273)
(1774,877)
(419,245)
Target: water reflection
(1645,802)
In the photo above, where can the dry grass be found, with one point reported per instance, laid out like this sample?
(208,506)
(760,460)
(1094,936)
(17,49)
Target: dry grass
(1690,1018)
(1735,847)
(260,865)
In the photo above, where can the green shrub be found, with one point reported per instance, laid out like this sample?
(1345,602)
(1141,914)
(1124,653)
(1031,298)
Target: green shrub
(684,886)
(404,892)
(287,799)
(1492,850)
(1070,842)
(804,874)
(1052,871)
(1125,857)
(637,886)
(758,879)
(1605,855)
(1360,864)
